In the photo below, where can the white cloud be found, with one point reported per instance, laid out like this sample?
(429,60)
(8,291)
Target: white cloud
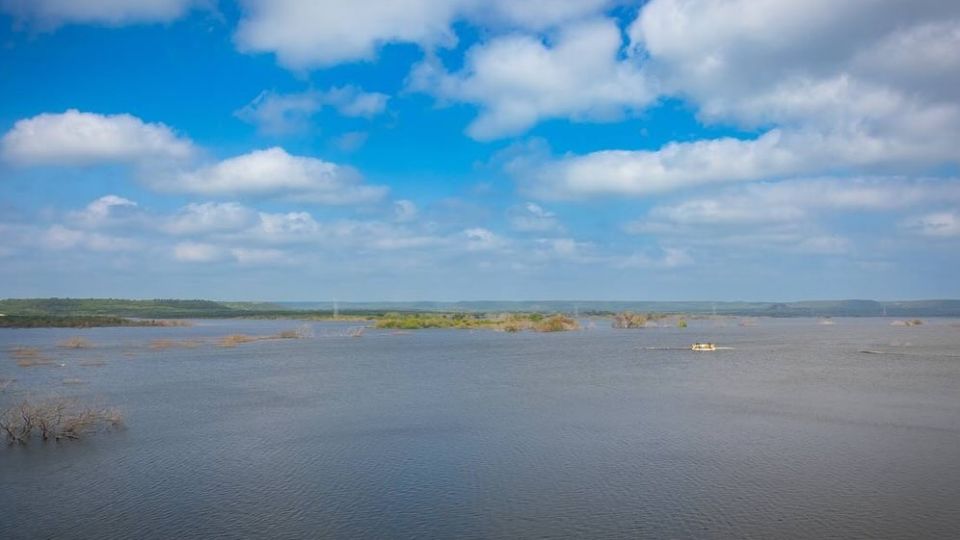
(53,13)
(532,217)
(58,237)
(278,114)
(676,165)
(569,249)
(520,80)
(274,172)
(796,200)
(775,154)
(352,101)
(862,87)
(480,239)
(327,32)
(287,226)
(198,252)
(726,54)
(936,224)
(302,229)
(79,138)
(534,14)
(104,211)
(322,33)
(208,217)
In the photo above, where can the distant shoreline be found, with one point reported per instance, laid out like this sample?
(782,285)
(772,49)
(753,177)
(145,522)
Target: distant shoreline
(161,309)
(87,313)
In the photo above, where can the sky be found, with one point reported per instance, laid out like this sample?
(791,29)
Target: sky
(480,149)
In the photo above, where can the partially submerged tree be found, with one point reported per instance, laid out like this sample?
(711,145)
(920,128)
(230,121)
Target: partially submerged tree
(54,419)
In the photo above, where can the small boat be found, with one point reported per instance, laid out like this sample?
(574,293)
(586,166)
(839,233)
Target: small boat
(703,347)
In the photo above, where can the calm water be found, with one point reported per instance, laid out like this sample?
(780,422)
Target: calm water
(441,434)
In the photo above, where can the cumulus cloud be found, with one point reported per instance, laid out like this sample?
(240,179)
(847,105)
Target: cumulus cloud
(106,210)
(198,252)
(209,217)
(301,228)
(322,33)
(667,258)
(481,239)
(53,13)
(519,80)
(278,114)
(775,154)
(865,87)
(727,54)
(274,172)
(533,14)
(820,216)
(796,200)
(80,138)
(58,237)
(317,34)
(352,101)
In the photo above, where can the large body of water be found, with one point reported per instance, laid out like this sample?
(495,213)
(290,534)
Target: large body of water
(455,434)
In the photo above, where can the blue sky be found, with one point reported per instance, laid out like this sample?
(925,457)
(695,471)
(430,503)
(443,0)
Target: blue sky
(459,149)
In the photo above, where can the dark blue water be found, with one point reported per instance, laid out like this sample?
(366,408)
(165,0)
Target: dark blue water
(438,434)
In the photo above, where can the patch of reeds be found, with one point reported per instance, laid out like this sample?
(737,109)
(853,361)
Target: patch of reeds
(556,323)
(162,344)
(55,419)
(238,339)
(75,343)
(29,357)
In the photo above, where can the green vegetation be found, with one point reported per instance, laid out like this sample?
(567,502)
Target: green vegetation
(512,322)
(161,309)
(78,321)
(90,312)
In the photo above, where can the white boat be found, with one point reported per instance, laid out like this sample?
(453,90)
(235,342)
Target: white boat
(702,347)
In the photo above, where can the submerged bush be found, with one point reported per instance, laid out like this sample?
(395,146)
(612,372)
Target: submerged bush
(629,319)
(506,322)
(556,323)
(75,343)
(56,419)
(29,357)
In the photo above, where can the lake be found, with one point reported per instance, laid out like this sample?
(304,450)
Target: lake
(600,433)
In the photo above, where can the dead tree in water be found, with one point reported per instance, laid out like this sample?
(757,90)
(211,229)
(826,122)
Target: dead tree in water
(54,419)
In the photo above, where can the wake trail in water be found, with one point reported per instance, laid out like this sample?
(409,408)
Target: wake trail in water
(901,353)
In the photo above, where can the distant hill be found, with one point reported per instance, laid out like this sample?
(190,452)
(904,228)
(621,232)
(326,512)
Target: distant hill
(160,308)
(171,308)
(815,308)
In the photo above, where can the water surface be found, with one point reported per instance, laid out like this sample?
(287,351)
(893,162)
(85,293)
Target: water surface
(793,432)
